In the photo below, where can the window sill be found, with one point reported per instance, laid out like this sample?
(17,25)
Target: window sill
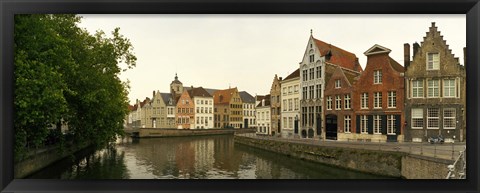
(433,128)
(417,128)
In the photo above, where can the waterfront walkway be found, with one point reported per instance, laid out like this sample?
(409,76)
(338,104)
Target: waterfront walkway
(446,151)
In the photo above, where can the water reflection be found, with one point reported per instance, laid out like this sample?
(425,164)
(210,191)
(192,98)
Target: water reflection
(209,157)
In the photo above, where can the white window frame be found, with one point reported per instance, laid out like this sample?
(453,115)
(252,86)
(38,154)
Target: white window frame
(391,127)
(347,124)
(435,61)
(377,100)
(377,124)
(447,89)
(377,77)
(338,102)
(432,88)
(329,103)
(338,83)
(364,100)
(347,101)
(430,111)
(392,99)
(452,117)
(418,88)
(417,113)
(363,124)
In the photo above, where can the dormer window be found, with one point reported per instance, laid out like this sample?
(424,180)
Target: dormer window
(377,77)
(433,61)
(338,83)
(312,58)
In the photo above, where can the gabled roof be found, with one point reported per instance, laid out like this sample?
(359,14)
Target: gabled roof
(210,91)
(246,97)
(223,96)
(377,49)
(199,91)
(166,97)
(294,74)
(267,101)
(396,66)
(130,107)
(338,56)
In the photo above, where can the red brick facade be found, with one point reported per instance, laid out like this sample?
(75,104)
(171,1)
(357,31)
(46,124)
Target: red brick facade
(185,111)
(378,98)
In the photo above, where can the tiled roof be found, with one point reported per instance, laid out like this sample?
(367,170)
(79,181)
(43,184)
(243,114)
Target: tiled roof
(246,97)
(396,66)
(338,56)
(199,91)
(223,96)
(267,101)
(260,97)
(294,74)
(210,91)
(166,97)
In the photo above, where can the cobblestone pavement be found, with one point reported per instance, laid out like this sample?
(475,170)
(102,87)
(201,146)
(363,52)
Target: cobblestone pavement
(446,151)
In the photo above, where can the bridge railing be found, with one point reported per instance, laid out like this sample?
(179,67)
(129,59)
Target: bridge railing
(458,169)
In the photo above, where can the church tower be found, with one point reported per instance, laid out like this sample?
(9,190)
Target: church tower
(176,87)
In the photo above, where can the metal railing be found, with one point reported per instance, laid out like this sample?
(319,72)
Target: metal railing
(458,169)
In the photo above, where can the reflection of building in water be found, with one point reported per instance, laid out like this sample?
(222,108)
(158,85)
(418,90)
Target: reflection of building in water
(185,159)
(204,150)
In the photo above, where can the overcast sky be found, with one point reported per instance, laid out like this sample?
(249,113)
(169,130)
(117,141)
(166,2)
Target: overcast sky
(246,51)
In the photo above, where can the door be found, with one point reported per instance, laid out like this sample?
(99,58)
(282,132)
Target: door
(331,127)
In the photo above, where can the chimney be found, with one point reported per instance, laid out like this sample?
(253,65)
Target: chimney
(415,48)
(464,56)
(153,96)
(406,55)
(280,78)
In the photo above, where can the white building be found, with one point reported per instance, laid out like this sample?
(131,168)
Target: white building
(263,116)
(248,106)
(290,92)
(203,108)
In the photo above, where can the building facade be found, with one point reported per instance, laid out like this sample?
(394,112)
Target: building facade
(228,108)
(275,105)
(290,96)
(435,86)
(203,108)
(312,82)
(185,114)
(263,110)
(338,103)
(378,98)
(248,105)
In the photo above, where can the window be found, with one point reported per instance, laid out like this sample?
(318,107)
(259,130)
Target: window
(329,102)
(290,122)
(290,104)
(338,102)
(312,58)
(347,101)
(417,118)
(449,118)
(364,101)
(304,96)
(432,118)
(433,88)
(284,91)
(310,91)
(319,92)
(289,90)
(377,100)
(284,105)
(311,74)
(377,121)
(417,88)
(295,88)
(337,83)
(449,88)
(304,73)
(296,103)
(347,124)
(377,77)
(433,61)
(391,127)
(363,124)
(392,99)
(198,109)
(285,121)
(319,71)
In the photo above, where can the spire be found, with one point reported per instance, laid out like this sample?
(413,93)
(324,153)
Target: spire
(176,77)
(311,31)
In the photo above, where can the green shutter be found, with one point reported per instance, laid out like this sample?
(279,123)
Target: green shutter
(370,124)
(358,124)
(384,125)
(398,124)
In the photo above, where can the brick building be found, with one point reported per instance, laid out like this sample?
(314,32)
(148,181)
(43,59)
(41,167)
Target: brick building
(378,98)
(185,115)
(275,105)
(338,102)
(228,108)
(312,83)
(435,85)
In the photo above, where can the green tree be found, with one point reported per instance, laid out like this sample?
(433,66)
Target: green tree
(64,73)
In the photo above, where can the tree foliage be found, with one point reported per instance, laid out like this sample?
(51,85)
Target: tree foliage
(64,73)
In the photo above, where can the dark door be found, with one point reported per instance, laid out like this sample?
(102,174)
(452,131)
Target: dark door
(295,127)
(310,133)
(304,133)
(245,122)
(331,127)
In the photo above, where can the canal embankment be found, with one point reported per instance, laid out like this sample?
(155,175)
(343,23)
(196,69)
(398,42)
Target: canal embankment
(160,132)
(43,159)
(386,163)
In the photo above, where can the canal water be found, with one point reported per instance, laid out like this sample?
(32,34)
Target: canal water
(206,157)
